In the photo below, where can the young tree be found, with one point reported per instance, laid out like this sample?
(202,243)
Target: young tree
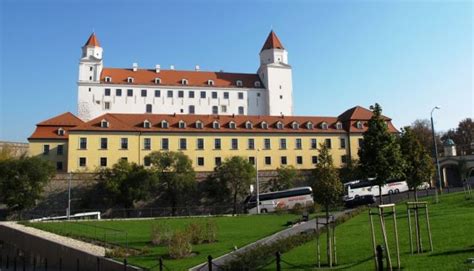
(419,166)
(327,188)
(235,175)
(380,155)
(422,130)
(22,181)
(175,174)
(285,179)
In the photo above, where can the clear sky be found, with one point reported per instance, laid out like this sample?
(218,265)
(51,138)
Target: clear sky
(406,55)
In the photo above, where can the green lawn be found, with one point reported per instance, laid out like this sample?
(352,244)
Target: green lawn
(452,224)
(232,231)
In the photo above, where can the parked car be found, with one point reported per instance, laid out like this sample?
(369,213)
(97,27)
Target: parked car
(360,200)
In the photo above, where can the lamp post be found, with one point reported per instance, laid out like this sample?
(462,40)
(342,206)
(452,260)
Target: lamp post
(258,185)
(438,172)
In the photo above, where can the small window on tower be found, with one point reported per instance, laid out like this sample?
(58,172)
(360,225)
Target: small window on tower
(281,97)
(91,68)
(90,77)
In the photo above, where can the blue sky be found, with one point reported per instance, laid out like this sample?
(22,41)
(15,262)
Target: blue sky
(406,55)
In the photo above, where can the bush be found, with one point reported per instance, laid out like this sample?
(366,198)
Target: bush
(196,233)
(297,209)
(161,234)
(179,245)
(210,231)
(313,208)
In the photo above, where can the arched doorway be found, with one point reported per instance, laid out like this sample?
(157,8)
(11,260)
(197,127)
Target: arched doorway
(451,176)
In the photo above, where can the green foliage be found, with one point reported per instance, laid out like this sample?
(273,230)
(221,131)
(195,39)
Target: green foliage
(286,176)
(234,176)
(126,183)
(179,245)
(161,233)
(351,171)
(422,130)
(380,155)
(196,232)
(175,174)
(22,181)
(462,136)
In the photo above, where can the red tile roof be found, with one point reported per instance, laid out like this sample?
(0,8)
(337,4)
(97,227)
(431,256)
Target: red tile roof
(48,129)
(174,78)
(92,41)
(272,42)
(357,113)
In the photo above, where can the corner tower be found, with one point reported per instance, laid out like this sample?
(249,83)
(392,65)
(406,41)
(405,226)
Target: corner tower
(90,65)
(275,73)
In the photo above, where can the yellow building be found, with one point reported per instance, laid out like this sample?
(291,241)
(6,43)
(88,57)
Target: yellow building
(270,141)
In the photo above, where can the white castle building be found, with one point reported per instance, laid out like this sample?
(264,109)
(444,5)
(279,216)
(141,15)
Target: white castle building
(159,91)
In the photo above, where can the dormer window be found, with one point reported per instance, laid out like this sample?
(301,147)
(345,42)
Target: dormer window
(295,125)
(129,79)
(339,126)
(184,82)
(257,84)
(248,125)
(239,83)
(108,79)
(104,124)
(210,83)
(309,125)
(199,124)
(359,124)
(279,125)
(146,124)
(216,125)
(157,81)
(232,125)
(324,125)
(264,125)
(164,124)
(60,132)
(182,124)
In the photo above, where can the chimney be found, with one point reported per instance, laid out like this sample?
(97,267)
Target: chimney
(157,68)
(172,67)
(197,68)
(135,67)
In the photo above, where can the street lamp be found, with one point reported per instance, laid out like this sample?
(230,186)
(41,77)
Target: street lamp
(438,172)
(258,185)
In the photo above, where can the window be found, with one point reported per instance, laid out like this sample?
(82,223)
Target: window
(268,160)
(248,125)
(83,143)
(314,143)
(256,84)
(359,125)
(107,92)
(299,160)
(157,93)
(241,95)
(169,94)
(45,149)
(217,144)
(164,124)
(264,125)
(210,82)
(60,149)
(258,94)
(324,126)
(281,97)
(266,143)
(218,161)
(191,109)
(200,161)
(232,125)
(191,94)
(130,80)
(118,92)
(226,95)
(283,160)
(361,142)
(184,81)
(104,123)
(295,125)
(103,143)
(241,110)
(216,125)
(108,79)
(182,124)
(200,143)
(224,108)
(298,144)
(215,110)
(343,143)
(235,143)
(148,108)
(129,92)
(147,161)
(124,143)
(165,144)
(103,161)
(143,92)
(106,105)
(60,132)
(283,143)
(239,83)
(339,126)
(309,125)
(251,144)
(314,159)
(82,161)
(146,124)
(328,143)
(147,143)
(180,94)
(203,94)
(214,95)
(279,125)
(252,160)
(344,159)
(199,124)
(59,165)
(157,81)
(182,143)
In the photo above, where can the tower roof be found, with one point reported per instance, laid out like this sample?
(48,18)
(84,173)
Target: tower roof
(92,41)
(272,42)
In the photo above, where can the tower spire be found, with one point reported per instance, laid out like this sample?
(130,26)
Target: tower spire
(272,42)
(92,41)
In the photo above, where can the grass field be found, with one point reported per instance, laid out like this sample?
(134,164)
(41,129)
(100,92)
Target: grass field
(452,224)
(232,231)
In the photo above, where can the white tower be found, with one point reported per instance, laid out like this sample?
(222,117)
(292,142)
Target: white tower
(90,65)
(275,73)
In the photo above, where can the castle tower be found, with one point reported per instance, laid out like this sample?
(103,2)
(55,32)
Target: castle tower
(275,73)
(90,65)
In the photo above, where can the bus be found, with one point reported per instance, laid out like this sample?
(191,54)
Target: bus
(359,188)
(280,199)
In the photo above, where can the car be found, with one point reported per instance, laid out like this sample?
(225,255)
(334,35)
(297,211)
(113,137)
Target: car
(359,200)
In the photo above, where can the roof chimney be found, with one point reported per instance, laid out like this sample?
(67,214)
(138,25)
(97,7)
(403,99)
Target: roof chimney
(135,67)
(197,68)
(157,68)
(172,67)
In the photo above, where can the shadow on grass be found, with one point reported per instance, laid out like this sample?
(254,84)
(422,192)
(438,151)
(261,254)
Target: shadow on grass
(452,252)
(325,267)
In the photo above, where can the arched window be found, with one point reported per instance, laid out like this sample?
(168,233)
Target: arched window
(239,83)
(279,125)
(130,80)
(146,124)
(184,82)
(61,132)
(248,125)
(164,124)
(324,125)
(199,124)
(104,123)
(157,81)
(264,125)
(359,124)
(257,84)
(216,125)
(182,124)
(210,83)
(339,125)
(309,125)
(232,125)
(295,125)
(108,79)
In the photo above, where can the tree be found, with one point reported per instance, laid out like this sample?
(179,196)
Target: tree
(126,183)
(286,176)
(235,175)
(351,171)
(327,188)
(22,181)
(419,167)
(463,136)
(421,128)
(380,155)
(175,174)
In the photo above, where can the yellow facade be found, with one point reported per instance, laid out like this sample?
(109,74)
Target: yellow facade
(57,156)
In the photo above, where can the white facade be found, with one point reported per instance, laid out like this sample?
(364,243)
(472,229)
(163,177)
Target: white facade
(96,96)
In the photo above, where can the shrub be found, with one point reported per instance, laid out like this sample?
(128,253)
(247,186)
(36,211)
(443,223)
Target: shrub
(161,234)
(179,245)
(297,209)
(313,208)
(210,231)
(196,233)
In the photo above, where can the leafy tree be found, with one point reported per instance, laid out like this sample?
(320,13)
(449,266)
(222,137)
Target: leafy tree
(22,181)
(327,188)
(351,171)
(286,176)
(126,183)
(463,136)
(176,176)
(235,175)
(422,130)
(380,155)
(419,166)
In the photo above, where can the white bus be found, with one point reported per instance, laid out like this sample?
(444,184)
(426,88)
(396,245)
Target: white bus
(366,187)
(281,199)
